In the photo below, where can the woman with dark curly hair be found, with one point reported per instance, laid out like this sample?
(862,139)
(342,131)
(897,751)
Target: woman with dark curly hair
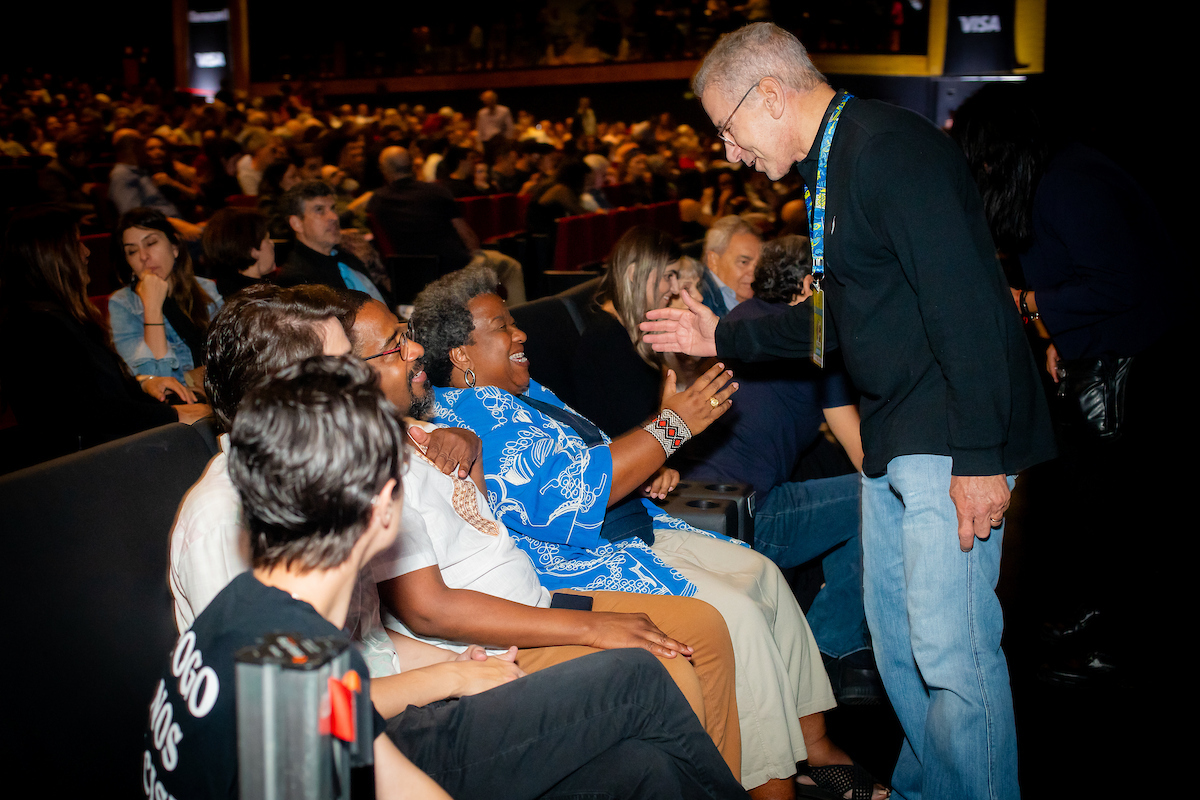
(159,320)
(784,271)
(570,497)
(46,318)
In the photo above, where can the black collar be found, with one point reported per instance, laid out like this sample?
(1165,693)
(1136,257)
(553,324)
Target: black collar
(809,165)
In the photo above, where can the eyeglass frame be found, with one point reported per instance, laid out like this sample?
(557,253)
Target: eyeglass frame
(402,348)
(729,120)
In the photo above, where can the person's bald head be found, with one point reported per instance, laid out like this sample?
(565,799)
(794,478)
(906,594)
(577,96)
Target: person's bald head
(395,163)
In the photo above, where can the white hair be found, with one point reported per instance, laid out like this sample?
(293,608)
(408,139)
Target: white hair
(722,232)
(742,58)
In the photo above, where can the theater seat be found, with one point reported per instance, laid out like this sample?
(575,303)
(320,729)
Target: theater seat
(410,274)
(86,544)
(554,326)
(241,201)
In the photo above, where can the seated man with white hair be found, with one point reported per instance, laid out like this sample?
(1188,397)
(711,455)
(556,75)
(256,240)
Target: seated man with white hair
(731,251)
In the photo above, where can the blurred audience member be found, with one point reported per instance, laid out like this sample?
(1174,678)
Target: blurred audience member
(238,250)
(261,152)
(130,184)
(176,180)
(493,125)
(422,219)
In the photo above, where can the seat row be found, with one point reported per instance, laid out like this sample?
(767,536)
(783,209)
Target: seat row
(586,239)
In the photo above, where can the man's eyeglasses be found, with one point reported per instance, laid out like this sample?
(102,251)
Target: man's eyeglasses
(402,348)
(725,128)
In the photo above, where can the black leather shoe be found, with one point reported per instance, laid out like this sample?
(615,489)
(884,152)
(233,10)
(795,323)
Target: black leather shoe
(1095,668)
(859,681)
(1089,623)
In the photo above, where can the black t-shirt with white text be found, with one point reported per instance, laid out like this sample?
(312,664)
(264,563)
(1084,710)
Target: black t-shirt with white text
(191,737)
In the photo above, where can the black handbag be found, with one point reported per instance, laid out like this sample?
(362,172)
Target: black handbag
(1091,394)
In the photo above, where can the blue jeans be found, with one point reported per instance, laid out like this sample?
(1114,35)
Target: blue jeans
(935,624)
(799,521)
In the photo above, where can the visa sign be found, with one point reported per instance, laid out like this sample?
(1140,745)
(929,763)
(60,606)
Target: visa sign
(981,23)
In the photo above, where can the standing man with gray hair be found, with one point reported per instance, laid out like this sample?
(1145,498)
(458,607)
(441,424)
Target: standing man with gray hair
(951,405)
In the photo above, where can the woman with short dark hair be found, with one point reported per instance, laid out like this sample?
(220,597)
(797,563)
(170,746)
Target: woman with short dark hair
(238,250)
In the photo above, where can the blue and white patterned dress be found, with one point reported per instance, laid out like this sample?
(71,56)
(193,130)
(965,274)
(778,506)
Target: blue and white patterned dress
(551,491)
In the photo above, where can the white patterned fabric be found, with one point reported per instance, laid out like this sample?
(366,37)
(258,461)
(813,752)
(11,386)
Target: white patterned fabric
(478,554)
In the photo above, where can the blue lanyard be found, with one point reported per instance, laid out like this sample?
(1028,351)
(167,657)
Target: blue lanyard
(816,211)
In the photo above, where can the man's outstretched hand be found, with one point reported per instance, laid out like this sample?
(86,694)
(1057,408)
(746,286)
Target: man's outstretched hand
(674,330)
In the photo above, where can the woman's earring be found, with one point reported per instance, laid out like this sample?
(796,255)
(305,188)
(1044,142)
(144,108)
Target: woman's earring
(470,378)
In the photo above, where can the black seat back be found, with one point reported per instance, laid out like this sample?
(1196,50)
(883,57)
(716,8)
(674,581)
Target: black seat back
(554,326)
(411,274)
(86,543)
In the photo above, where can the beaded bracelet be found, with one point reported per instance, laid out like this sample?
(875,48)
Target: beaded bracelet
(670,430)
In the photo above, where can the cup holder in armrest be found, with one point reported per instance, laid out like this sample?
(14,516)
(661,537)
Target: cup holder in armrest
(723,487)
(702,504)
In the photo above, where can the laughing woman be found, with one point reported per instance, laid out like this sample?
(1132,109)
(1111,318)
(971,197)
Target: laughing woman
(572,498)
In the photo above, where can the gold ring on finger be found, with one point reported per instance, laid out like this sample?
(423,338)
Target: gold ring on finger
(713,401)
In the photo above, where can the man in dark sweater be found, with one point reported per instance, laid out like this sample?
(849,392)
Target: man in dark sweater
(951,402)
(315,256)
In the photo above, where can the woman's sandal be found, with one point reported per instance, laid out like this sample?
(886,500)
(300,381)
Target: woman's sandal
(833,782)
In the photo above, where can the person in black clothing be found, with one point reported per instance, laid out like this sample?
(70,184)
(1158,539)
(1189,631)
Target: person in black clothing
(615,381)
(951,404)
(422,219)
(238,251)
(562,198)
(219,176)
(419,218)
(457,171)
(47,319)
(64,179)
(1102,286)
(315,256)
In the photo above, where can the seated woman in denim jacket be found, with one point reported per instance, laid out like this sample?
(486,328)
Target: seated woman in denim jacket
(159,321)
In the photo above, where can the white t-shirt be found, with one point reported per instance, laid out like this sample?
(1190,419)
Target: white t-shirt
(210,547)
(248,177)
(468,557)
